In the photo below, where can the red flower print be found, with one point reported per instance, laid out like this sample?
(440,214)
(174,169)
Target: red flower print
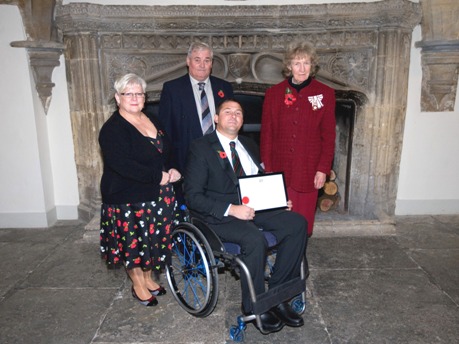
(137,260)
(115,260)
(221,94)
(222,154)
(289,97)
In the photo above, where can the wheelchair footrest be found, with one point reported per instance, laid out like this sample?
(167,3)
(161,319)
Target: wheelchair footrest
(278,294)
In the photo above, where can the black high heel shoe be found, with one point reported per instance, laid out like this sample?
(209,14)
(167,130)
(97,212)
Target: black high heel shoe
(158,292)
(150,302)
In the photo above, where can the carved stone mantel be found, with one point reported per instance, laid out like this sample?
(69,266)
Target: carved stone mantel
(364,51)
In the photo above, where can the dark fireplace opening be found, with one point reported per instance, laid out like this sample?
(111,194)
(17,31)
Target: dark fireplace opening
(345,118)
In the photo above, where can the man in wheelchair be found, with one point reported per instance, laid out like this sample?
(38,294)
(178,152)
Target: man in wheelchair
(211,181)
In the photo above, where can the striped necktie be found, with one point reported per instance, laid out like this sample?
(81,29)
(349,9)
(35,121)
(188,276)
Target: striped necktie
(237,167)
(206,120)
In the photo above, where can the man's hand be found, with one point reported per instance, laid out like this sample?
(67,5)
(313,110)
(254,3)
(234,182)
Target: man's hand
(289,205)
(242,212)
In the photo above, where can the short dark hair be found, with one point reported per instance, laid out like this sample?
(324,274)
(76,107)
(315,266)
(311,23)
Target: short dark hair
(227,101)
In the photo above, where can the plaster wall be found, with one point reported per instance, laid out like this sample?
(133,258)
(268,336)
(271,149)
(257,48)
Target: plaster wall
(37,171)
(430,155)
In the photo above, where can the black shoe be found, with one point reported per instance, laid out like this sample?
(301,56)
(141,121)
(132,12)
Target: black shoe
(270,323)
(150,302)
(158,291)
(285,313)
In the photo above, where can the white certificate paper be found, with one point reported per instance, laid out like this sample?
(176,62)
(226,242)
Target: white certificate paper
(263,192)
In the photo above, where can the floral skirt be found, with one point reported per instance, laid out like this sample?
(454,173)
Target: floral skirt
(139,234)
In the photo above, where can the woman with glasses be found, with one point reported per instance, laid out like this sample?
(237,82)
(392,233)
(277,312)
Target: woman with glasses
(138,199)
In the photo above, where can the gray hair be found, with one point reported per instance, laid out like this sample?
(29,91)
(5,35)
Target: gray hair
(127,80)
(200,46)
(300,49)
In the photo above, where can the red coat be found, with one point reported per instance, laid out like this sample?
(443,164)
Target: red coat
(295,138)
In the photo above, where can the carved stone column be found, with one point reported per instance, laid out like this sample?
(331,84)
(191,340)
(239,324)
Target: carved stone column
(389,118)
(87,109)
(439,54)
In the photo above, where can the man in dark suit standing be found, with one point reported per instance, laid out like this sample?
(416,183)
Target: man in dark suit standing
(188,103)
(211,192)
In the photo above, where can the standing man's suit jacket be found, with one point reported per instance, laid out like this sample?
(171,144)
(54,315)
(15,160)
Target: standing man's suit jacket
(179,114)
(210,182)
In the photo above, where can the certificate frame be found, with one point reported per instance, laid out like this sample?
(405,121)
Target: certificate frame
(263,192)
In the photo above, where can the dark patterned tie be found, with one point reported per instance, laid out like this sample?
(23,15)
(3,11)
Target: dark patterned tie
(206,120)
(237,167)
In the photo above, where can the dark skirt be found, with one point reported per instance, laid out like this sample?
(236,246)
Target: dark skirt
(139,234)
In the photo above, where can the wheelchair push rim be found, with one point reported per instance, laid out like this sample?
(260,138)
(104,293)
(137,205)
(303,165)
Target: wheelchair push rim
(192,274)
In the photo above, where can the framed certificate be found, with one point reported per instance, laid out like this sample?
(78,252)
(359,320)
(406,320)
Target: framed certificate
(263,191)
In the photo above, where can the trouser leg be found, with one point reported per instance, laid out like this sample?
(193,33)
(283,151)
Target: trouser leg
(290,231)
(253,253)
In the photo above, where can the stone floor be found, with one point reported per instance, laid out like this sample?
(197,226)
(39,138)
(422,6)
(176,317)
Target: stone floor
(401,287)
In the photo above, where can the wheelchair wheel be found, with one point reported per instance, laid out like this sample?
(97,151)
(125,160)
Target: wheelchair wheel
(192,273)
(298,304)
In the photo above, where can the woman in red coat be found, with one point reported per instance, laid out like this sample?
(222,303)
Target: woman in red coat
(298,129)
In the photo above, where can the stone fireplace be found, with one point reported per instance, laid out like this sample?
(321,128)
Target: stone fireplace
(364,51)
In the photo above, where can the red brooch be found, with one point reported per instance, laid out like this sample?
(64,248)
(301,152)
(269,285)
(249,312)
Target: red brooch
(289,97)
(221,94)
(222,154)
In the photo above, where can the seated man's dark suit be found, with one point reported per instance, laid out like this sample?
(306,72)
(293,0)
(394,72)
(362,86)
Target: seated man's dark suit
(211,186)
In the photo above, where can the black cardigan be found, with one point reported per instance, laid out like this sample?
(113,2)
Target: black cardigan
(132,165)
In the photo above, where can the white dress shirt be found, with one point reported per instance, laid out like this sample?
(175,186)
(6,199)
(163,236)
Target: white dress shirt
(246,161)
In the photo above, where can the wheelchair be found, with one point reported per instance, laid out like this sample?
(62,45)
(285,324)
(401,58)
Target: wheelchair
(198,255)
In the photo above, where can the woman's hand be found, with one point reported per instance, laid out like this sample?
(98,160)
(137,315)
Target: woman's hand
(165,179)
(174,175)
(319,180)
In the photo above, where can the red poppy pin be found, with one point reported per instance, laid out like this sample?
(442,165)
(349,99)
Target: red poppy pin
(289,97)
(222,154)
(221,94)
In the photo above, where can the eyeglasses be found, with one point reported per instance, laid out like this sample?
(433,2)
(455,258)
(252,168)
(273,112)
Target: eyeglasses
(132,95)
